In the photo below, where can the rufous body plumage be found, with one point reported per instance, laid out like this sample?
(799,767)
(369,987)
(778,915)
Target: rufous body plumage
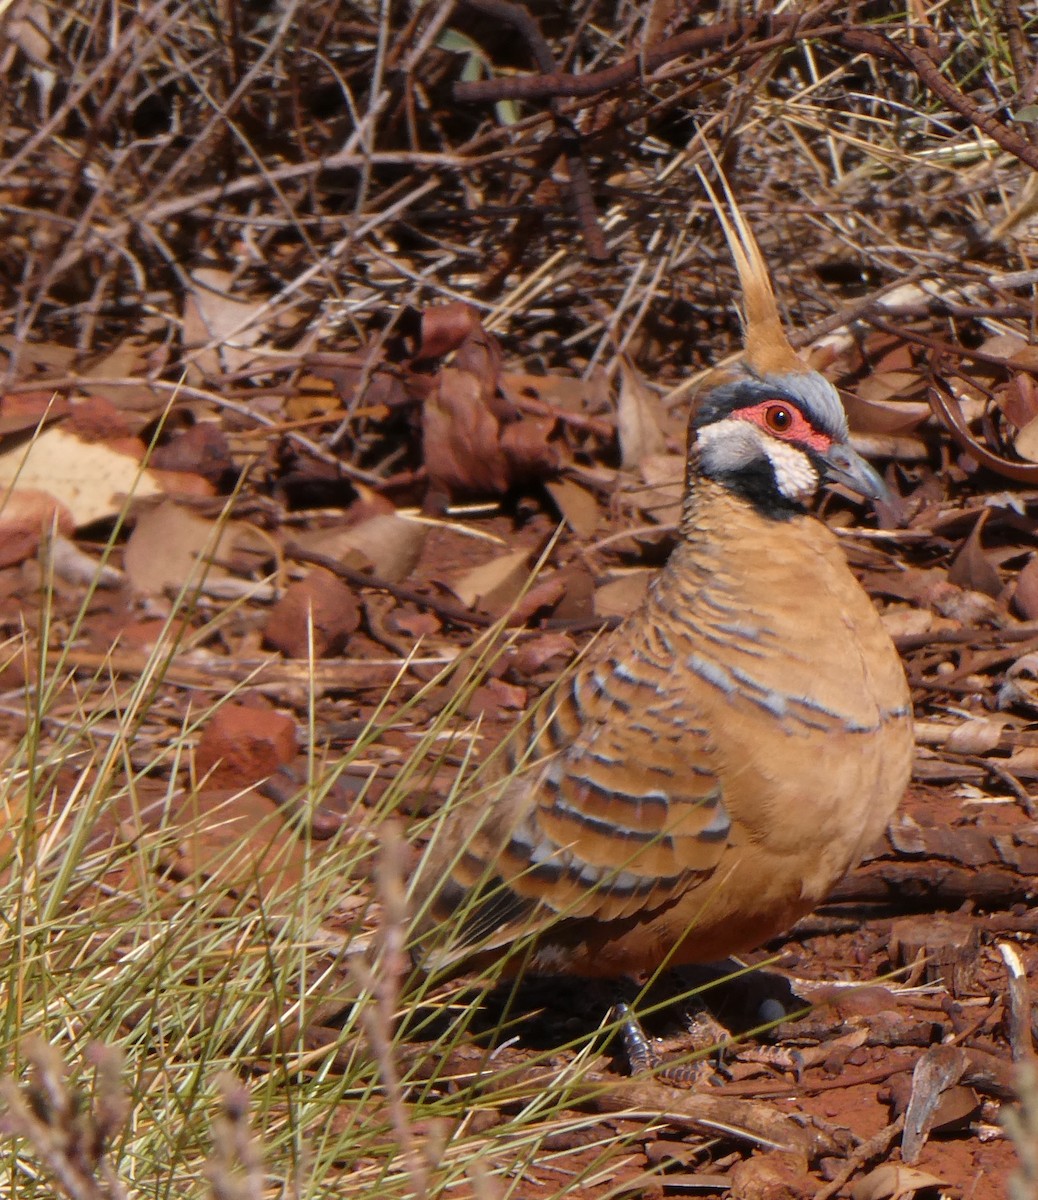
(714,766)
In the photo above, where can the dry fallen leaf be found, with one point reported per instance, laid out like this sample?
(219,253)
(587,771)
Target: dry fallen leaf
(1025,597)
(445,327)
(621,596)
(1026,441)
(90,480)
(640,418)
(493,586)
(387,544)
(664,476)
(213,315)
(972,569)
(461,438)
(893,1179)
(170,547)
(578,506)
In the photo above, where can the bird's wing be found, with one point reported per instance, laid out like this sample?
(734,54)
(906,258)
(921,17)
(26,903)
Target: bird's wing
(620,812)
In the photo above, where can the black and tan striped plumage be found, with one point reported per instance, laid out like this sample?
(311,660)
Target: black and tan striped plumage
(715,765)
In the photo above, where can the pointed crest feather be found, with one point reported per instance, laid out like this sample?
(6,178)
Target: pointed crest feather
(768,351)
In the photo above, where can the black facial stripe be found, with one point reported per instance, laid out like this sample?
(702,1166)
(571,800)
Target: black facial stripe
(756,483)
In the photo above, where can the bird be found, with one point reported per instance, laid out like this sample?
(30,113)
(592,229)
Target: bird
(711,768)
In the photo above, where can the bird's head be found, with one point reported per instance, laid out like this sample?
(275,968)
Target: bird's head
(774,439)
(771,429)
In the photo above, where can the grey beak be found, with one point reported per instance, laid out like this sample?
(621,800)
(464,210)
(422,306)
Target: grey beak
(843,464)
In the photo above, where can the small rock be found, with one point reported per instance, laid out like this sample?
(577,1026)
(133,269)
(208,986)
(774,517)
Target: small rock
(335,616)
(242,745)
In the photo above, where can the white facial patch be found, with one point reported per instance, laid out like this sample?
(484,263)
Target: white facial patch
(795,474)
(732,445)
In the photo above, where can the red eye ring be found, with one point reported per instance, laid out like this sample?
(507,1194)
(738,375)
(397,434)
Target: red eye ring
(778,418)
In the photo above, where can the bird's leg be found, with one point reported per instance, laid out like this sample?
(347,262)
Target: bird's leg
(642,1056)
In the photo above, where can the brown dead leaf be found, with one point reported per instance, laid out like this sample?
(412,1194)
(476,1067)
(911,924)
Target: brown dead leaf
(1025,597)
(201,449)
(887,385)
(212,314)
(533,655)
(445,327)
(130,359)
(480,355)
(883,416)
(21,412)
(972,568)
(387,544)
(1018,399)
(493,586)
(561,392)
(664,476)
(1026,357)
(893,1179)
(640,418)
(577,505)
(622,595)
(461,439)
(527,450)
(170,547)
(1026,441)
(979,735)
(1003,345)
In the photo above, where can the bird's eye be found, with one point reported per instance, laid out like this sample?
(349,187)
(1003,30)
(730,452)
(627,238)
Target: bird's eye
(778,418)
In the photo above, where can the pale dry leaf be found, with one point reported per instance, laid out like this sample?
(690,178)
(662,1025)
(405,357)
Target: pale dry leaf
(621,596)
(91,480)
(893,1179)
(884,416)
(1026,441)
(128,360)
(561,392)
(1003,345)
(980,735)
(211,315)
(494,585)
(664,478)
(171,547)
(30,30)
(578,506)
(640,418)
(387,544)
(939,1069)
(884,386)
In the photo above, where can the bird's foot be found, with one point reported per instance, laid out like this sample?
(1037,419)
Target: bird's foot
(642,1055)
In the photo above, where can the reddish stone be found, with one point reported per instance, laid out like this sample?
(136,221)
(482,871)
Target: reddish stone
(241,746)
(335,617)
